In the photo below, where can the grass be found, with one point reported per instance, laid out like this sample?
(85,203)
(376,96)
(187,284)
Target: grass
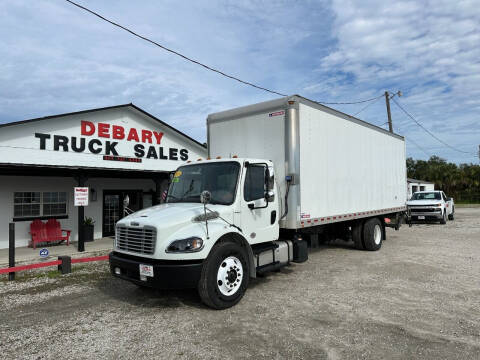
(466,205)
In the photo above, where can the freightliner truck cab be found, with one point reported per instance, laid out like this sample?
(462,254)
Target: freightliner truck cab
(218,227)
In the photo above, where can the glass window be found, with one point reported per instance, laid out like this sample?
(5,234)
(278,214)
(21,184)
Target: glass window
(31,204)
(254,188)
(54,203)
(147,200)
(219,178)
(426,196)
(26,204)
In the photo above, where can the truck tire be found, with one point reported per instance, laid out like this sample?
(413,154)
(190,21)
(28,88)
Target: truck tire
(225,276)
(452,215)
(372,234)
(357,233)
(443,221)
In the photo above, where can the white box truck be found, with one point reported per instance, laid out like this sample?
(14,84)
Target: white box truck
(279,173)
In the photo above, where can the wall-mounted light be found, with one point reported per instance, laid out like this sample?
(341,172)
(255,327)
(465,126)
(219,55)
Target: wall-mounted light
(93,195)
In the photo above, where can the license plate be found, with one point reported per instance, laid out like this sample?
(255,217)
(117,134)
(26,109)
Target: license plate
(421,218)
(146,270)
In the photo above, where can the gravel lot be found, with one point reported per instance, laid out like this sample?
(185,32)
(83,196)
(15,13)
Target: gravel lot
(418,297)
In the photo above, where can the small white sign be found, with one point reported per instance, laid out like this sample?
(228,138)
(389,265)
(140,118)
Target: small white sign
(44,253)
(80,196)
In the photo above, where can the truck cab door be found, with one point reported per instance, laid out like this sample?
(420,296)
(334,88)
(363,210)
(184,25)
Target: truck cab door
(259,204)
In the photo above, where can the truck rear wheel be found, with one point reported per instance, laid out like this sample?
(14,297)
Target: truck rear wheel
(372,234)
(357,232)
(224,277)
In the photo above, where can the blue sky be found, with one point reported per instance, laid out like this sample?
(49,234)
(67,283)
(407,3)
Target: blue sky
(56,58)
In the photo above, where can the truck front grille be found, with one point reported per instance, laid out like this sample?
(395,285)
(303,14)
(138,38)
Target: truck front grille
(420,209)
(137,240)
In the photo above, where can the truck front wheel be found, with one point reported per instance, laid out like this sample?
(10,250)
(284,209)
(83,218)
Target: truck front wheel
(452,215)
(443,220)
(372,234)
(225,276)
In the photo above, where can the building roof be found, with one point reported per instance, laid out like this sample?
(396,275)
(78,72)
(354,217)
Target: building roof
(410,180)
(131,105)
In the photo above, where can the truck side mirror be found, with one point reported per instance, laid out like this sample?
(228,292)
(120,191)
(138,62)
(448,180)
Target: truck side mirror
(269,184)
(270,178)
(270,196)
(170,176)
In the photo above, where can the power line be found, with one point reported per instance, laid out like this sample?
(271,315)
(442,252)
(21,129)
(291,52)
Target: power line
(414,143)
(376,99)
(351,103)
(175,52)
(428,131)
(201,64)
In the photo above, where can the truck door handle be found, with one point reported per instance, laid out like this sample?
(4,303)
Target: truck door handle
(273,217)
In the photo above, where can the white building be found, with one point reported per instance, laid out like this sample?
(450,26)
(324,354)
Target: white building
(414,185)
(116,152)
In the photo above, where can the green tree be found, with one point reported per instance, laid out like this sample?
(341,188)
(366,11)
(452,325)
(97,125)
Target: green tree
(461,182)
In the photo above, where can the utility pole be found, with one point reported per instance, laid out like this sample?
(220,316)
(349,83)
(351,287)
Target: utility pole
(387,100)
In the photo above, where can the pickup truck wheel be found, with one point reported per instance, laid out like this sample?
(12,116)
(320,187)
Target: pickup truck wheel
(372,234)
(452,215)
(357,229)
(224,277)
(443,221)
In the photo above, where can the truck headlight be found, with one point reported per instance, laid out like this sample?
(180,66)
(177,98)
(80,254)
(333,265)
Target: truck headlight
(191,244)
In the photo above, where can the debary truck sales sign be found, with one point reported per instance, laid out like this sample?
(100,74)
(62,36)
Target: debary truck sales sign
(122,137)
(92,140)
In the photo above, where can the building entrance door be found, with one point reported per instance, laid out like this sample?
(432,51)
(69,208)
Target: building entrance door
(118,204)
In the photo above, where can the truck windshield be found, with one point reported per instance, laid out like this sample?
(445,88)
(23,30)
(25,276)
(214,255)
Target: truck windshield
(426,196)
(219,178)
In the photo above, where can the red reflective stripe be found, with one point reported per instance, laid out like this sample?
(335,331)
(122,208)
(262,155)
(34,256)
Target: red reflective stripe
(95,258)
(31,266)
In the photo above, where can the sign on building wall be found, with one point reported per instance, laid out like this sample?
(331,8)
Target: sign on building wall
(80,195)
(122,138)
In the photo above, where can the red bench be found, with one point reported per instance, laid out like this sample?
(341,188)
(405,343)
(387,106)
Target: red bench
(48,232)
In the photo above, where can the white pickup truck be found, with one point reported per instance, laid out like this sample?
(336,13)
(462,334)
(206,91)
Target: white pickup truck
(431,205)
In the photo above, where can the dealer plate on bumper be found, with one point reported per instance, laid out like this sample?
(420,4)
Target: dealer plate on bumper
(145,270)
(419,218)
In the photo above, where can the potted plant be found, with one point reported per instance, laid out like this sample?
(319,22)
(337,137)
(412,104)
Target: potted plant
(88,223)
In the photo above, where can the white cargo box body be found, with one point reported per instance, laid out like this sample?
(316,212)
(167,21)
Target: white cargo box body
(342,167)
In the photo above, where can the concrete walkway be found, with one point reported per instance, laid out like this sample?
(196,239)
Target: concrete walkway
(27,255)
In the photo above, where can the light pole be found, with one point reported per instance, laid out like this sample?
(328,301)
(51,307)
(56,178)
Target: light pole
(387,101)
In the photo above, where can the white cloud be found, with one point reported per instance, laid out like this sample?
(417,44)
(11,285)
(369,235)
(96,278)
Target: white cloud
(427,49)
(57,58)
